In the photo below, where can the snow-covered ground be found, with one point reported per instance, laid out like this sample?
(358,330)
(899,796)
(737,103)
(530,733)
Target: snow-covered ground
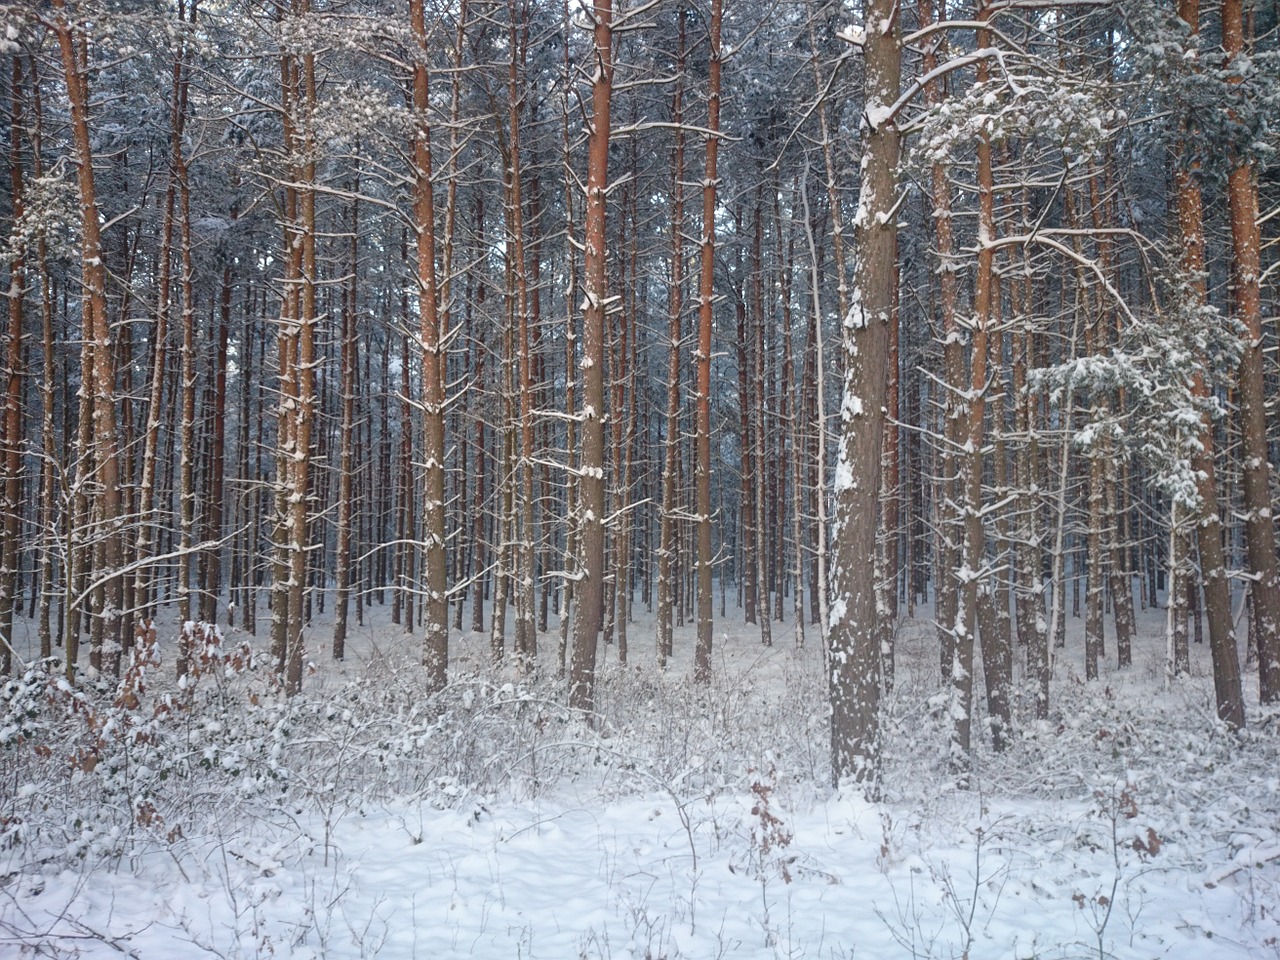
(364,819)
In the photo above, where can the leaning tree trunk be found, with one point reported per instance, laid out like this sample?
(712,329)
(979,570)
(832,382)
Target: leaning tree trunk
(108,595)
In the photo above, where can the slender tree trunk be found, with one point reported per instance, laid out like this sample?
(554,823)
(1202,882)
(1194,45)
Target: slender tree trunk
(408,536)
(1096,574)
(211,559)
(793,459)
(147,492)
(304,371)
(974,587)
(759,381)
(287,359)
(49,478)
(887,545)
(624,423)
(346,456)
(670,467)
(481,456)
(1029,598)
(572,522)
(11,424)
(1179,652)
(446,292)
(818,397)
(949,530)
(435,644)
(706,303)
(590,588)
(187,426)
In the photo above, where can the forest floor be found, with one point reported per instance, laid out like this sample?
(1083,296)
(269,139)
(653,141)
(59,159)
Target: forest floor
(363,819)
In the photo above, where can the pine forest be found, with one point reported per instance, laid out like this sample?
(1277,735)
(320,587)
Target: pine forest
(640,478)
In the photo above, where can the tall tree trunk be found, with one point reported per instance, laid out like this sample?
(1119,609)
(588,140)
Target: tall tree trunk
(435,644)
(286,376)
(670,465)
(706,302)
(1242,203)
(570,360)
(818,401)
(590,592)
(792,460)
(853,647)
(106,604)
(446,292)
(49,447)
(211,559)
(759,381)
(346,456)
(1228,690)
(1029,598)
(949,529)
(624,420)
(890,492)
(304,371)
(11,424)
(147,492)
(187,425)
(524,530)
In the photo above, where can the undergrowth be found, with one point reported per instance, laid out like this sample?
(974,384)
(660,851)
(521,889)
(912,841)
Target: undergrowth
(104,775)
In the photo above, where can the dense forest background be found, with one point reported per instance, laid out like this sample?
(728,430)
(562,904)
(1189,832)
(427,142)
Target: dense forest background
(534,318)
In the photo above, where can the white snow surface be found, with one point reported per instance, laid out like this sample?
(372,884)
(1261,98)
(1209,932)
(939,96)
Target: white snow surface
(363,819)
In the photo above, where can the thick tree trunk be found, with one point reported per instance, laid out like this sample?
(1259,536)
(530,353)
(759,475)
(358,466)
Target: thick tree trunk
(1242,203)
(1213,564)
(853,648)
